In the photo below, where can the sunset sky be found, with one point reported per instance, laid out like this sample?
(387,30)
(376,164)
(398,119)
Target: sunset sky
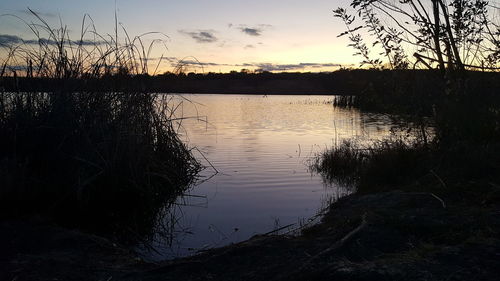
(224,35)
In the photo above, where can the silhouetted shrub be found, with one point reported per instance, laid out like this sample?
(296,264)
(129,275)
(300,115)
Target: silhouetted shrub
(105,161)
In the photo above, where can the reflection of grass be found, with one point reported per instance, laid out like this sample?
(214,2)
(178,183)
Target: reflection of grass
(106,161)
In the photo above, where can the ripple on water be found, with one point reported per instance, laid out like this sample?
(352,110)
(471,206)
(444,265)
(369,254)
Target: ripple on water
(260,146)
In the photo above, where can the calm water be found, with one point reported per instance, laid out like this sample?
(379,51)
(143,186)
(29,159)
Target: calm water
(260,147)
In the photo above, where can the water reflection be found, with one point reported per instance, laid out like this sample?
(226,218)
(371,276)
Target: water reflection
(260,146)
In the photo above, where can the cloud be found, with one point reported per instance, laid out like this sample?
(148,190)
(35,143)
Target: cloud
(43,41)
(278,67)
(287,67)
(197,63)
(89,42)
(193,62)
(17,67)
(254,31)
(201,36)
(7,40)
(249,46)
(251,31)
(153,59)
(264,66)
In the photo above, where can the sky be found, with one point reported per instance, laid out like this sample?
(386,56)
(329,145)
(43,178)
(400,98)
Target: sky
(222,35)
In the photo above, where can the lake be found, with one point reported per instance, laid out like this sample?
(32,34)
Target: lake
(259,147)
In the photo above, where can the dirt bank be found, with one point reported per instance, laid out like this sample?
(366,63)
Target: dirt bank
(384,236)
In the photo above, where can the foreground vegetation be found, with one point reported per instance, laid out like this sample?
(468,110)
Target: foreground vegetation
(109,162)
(456,166)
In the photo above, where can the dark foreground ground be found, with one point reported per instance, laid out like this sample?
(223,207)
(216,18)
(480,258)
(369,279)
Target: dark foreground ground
(385,236)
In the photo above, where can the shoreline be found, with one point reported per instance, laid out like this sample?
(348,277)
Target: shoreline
(387,235)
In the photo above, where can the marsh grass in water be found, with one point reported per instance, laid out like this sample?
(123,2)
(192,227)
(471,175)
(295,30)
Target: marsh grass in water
(381,165)
(462,170)
(109,162)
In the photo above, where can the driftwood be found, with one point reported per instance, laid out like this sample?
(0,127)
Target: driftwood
(435,196)
(279,229)
(337,244)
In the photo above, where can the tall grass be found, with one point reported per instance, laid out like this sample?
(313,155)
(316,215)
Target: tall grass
(345,101)
(382,165)
(104,161)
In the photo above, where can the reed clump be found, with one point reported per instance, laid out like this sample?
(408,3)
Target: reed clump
(345,101)
(378,166)
(462,169)
(108,161)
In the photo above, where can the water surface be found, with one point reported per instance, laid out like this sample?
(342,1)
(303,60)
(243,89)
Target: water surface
(259,146)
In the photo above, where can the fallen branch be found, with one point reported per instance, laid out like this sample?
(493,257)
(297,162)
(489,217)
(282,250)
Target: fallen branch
(337,244)
(440,200)
(276,230)
(439,178)
(436,197)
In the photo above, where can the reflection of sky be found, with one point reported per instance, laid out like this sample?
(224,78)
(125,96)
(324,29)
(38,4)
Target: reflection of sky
(261,146)
(228,34)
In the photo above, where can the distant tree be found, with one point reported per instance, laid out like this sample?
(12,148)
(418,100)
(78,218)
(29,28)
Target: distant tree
(456,34)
